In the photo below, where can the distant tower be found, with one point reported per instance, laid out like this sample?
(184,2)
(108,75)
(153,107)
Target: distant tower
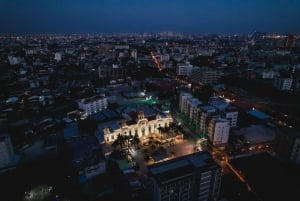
(134,53)
(6,151)
(290,41)
(58,56)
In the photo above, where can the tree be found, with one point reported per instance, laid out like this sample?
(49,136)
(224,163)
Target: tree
(160,129)
(136,140)
(120,141)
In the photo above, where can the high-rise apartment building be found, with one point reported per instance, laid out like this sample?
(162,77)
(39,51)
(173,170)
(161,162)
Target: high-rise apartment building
(218,131)
(205,113)
(188,178)
(287,145)
(184,69)
(183,101)
(206,75)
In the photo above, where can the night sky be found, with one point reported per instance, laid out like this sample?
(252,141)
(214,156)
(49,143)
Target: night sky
(128,16)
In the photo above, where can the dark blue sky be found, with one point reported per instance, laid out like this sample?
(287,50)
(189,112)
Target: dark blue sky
(125,16)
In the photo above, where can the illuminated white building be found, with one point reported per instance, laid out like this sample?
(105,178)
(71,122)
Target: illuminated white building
(141,126)
(231,114)
(218,131)
(92,104)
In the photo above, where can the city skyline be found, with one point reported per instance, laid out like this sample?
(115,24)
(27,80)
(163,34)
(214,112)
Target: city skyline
(133,16)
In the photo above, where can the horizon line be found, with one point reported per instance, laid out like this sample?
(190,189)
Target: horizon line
(150,33)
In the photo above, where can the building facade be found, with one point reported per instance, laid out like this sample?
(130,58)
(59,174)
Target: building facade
(218,131)
(287,145)
(142,126)
(206,75)
(183,101)
(86,156)
(192,177)
(231,114)
(204,114)
(184,69)
(283,84)
(92,104)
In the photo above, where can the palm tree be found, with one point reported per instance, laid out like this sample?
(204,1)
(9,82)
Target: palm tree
(136,140)
(167,129)
(160,129)
(120,140)
(115,143)
(128,139)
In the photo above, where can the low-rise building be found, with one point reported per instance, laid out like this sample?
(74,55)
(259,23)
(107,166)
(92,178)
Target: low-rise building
(141,125)
(86,156)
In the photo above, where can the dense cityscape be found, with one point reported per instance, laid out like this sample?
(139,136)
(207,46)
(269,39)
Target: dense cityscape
(163,116)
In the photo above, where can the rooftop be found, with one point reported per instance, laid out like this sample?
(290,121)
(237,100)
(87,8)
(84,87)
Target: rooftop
(258,114)
(180,166)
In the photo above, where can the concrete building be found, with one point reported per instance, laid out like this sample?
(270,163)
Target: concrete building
(184,69)
(218,131)
(192,108)
(231,114)
(287,145)
(206,75)
(188,178)
(86,157)
(164,57)
(204,114)
(226,110)
(183,101)
(268,74)
(283,84)
(14,60)
(92,104)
